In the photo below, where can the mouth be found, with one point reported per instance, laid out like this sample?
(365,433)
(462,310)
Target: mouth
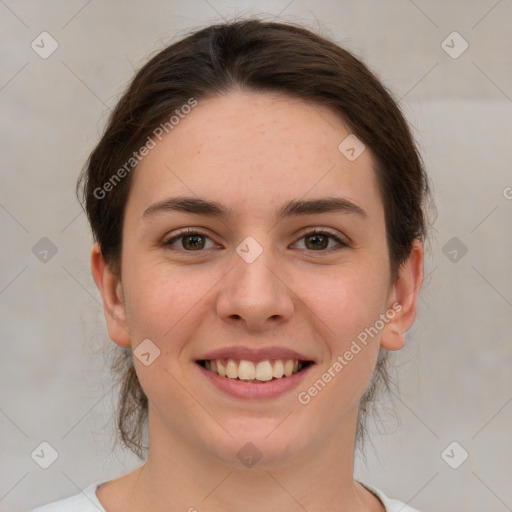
(254,371)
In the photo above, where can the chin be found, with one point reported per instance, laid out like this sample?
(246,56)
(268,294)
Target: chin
(257,444)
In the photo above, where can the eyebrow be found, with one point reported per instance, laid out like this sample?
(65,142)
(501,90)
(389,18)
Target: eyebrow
(292,208)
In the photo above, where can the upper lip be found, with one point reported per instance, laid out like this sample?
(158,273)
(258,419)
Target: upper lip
(255,354)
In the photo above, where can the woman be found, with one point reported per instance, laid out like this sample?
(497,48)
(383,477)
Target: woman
(257,204)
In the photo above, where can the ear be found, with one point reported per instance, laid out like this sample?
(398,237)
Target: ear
(113,300)
(404,294)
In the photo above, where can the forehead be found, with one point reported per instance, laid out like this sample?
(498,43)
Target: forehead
(249,150)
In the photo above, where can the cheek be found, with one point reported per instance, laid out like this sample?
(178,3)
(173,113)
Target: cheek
(164,301)
(165,305)
(347,306)
(347,301)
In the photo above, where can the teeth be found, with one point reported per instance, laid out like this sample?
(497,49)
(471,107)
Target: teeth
(232,369)
(263,371)
(278,369)
(246,370)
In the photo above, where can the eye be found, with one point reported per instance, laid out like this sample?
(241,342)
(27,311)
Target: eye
(319,240)
(190,241)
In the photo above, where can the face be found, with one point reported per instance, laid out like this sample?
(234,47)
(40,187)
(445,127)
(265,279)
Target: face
(284,258)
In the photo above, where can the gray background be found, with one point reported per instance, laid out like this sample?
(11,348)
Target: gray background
(455,373)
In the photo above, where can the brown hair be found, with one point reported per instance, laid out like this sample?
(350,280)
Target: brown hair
(256,56)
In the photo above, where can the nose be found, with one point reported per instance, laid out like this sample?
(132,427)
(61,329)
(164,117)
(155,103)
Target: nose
(255,294)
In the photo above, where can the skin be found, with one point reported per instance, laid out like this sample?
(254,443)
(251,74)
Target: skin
(252,152)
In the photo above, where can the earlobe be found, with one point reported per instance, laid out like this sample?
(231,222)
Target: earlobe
(405,292)
(392,339)
(111,290)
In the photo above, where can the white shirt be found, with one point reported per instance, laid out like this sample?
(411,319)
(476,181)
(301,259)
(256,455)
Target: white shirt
(87,501)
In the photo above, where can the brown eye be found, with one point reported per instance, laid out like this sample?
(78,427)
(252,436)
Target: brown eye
(189,241)
(321,240)
(193,242)
(317,242)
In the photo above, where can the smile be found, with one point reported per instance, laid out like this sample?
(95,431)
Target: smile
(254,371)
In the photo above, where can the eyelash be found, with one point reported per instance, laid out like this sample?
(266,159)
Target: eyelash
(190,232)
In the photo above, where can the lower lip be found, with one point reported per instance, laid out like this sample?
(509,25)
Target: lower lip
(255,391)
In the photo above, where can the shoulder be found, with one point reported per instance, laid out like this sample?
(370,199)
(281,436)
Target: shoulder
(84,501)
(389,504)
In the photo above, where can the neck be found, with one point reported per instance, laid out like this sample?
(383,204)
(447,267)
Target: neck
(179,473)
